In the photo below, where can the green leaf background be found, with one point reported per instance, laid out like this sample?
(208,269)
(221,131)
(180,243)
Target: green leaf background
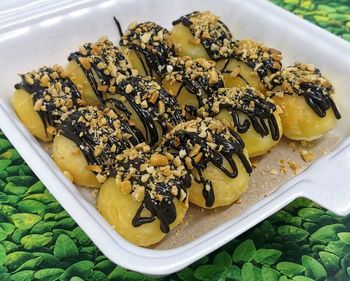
(302,242)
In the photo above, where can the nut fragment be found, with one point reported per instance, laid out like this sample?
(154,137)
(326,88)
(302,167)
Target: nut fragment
(102,88)
(213,77)
(161,107)
(101,178)
(194,41)
(51,130)
(97,151)
(198,157)
(128,89)
(188,162)
(274,172)
(38,104)
(158,159)
(182,153)
(195,150)
(85,63)
(44,82)
(93,168)
(174,190)
(177,162)
(204,63)
(144,178)
(307,156)
(125,187)
(145,37)
(139,193)
(293,165)
(154,97)
(254,163)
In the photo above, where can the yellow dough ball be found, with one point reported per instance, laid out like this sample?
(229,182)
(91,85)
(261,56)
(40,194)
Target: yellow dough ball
(226,190)
(74,71)
(22,102)
(249,113)
(201,35)
(71,160)
(137,61)
(256,144)
(88,142)
(191,82)
(119,209)
(186,44)
(147,198)
(215,156)
(307,102)
(148,47)
(300,122)
(251,64)
(43,98)
(95,68)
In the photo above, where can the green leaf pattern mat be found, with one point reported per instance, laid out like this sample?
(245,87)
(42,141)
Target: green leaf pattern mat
(302,242)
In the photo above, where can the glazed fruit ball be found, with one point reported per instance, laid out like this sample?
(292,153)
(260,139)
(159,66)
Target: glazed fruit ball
(147,105)
(148,47)
(88,141)
(307,102)
(191,82)
(147,198)
(215,156)
(202,35)
(95,68)
(249,113)
(252,64)
(43,98)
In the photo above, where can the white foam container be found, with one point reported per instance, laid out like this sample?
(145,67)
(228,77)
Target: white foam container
(44,32)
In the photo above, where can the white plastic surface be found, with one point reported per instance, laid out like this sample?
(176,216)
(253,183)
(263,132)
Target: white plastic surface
(45,32)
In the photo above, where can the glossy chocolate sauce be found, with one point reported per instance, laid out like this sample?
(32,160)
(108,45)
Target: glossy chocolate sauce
(101,55)
(265,61)
(150,115)
(59,95)
(318,101)
(307,81)
(158,198)
(151,44)
(88,138)
(257,111)
(195,79)
(219,33)
(230,144)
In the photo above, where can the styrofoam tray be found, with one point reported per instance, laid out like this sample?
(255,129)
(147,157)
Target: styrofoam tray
(45,32)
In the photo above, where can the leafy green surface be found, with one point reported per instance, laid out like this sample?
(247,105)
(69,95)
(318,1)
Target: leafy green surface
(302,242)
(333,15)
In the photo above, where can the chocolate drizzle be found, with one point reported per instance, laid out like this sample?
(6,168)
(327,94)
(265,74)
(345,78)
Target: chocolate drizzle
(307,81)
(265,61)
(207,141)
(101,63)
(165,209)
(54,94)
(151,44)
(100,134)
(213,34)
(152,104)
(253,105)
(198,77)
(163,184)
(320,103)
(219,44)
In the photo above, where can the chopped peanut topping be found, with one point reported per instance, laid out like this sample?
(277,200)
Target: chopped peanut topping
(158,159)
